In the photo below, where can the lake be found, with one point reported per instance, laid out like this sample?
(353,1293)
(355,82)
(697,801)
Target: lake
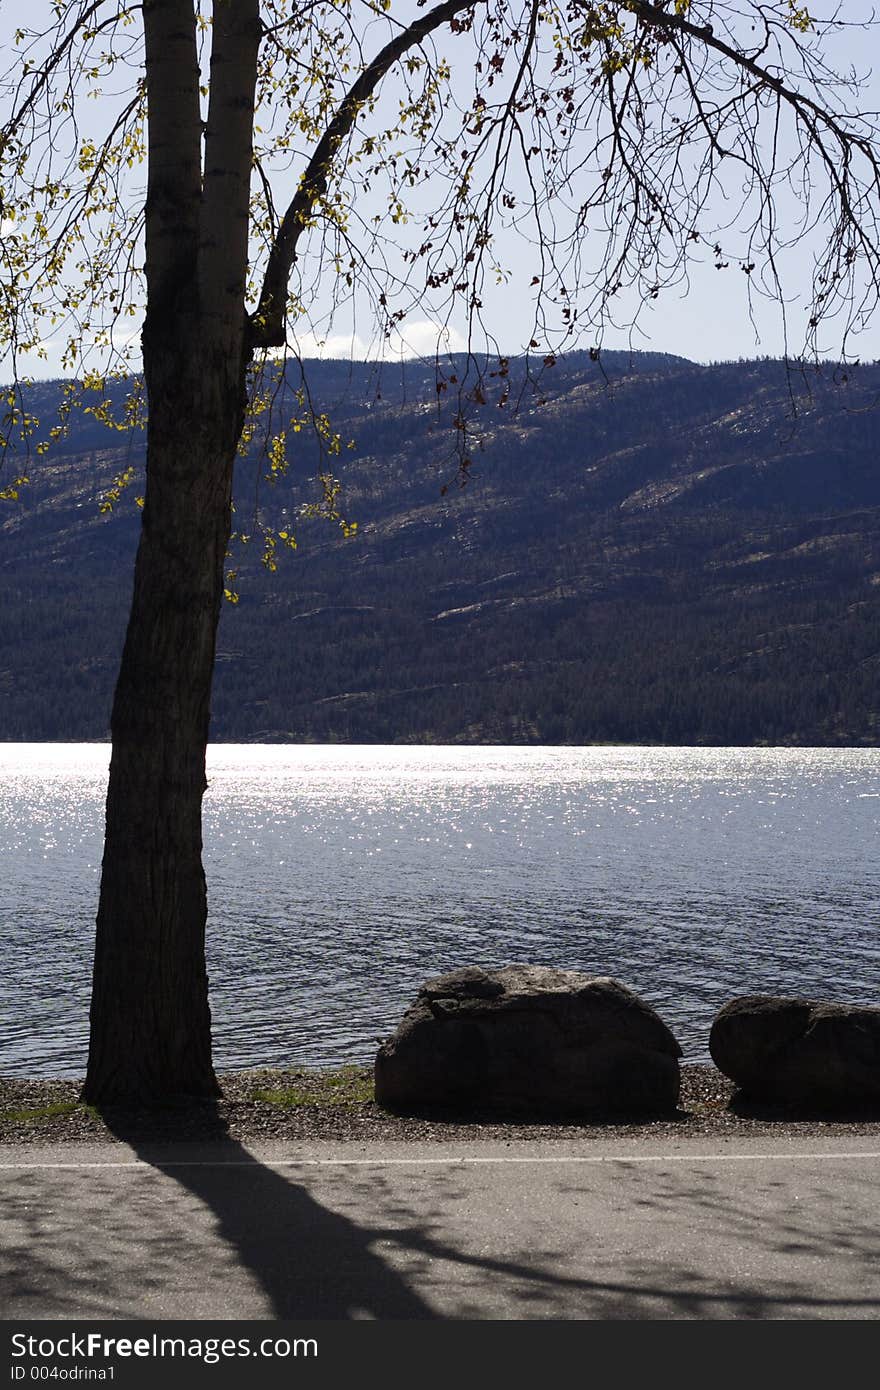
(340,877)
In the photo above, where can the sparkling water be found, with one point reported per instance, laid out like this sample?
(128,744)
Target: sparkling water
(340,877)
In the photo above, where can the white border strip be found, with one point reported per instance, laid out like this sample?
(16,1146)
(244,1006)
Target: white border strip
(462,1161)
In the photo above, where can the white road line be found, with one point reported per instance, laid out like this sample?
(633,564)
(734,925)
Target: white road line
(461,1161)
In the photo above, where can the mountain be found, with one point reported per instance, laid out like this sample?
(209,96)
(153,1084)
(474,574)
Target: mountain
(644,550)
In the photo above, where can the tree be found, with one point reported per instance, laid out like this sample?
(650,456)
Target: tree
(576,125)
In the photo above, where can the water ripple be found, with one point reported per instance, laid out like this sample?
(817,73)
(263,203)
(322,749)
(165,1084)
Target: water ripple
(341,877)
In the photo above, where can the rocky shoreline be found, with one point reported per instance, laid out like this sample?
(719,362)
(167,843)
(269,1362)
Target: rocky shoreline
(300,1105)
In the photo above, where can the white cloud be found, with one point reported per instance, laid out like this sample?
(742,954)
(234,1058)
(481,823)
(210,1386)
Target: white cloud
(421,338)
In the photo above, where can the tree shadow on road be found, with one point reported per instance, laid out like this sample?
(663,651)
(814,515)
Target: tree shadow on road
(202,1228)
(304,1261)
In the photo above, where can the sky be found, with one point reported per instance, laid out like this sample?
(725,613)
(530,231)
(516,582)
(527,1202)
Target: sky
(709,322)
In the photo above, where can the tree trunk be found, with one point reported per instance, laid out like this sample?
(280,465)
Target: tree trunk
(150,1035)
(150,1018)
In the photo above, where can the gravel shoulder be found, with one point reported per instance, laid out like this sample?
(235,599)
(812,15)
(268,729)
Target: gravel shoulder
(298,1105)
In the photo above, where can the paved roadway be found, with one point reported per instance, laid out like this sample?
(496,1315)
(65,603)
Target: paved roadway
(597,1229)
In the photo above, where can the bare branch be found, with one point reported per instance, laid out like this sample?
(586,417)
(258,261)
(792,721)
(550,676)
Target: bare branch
(267,323)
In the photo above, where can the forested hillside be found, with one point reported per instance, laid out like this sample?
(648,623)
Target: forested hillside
(646,551)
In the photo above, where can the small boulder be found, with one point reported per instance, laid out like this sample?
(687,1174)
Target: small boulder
(799,1051)
(528,1040)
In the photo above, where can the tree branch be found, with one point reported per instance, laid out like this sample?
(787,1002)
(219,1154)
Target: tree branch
(268,321)
(801,104)
(54,61)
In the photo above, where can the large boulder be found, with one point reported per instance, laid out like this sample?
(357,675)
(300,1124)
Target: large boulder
(528,1040)
(799,1051)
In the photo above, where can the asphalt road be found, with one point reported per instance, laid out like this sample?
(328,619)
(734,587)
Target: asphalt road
(597,1229)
